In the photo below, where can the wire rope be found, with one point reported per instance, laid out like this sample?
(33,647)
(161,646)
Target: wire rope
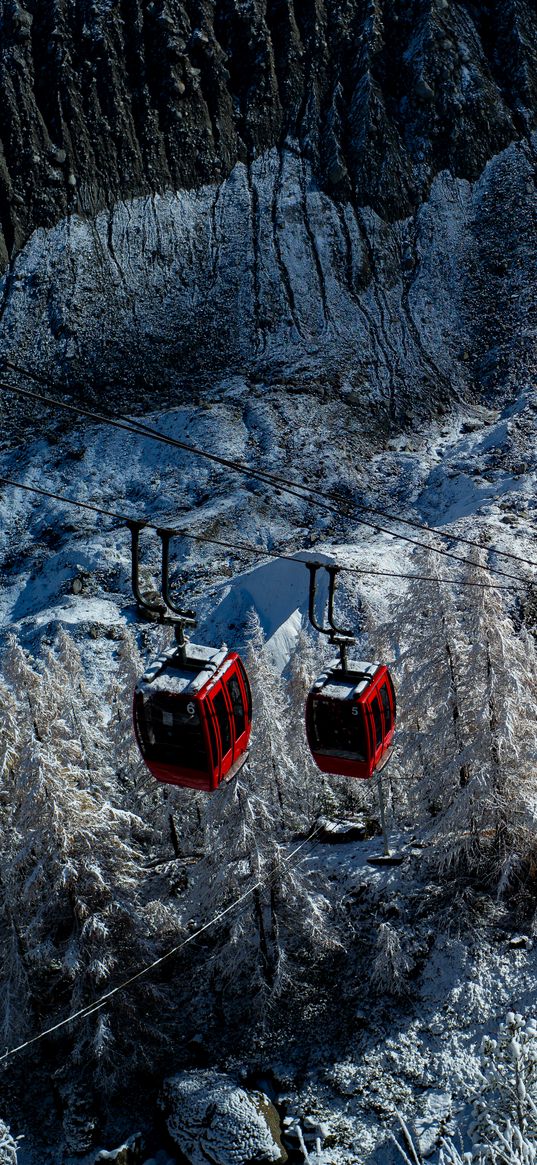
(250,548)
(294,489)
(304,493)
(267,476)
(99,1003)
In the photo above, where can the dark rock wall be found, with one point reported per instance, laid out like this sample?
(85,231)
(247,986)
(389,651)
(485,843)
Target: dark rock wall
(105,99)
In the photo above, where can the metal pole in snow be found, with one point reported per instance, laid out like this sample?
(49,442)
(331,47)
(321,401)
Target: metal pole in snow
(382,807)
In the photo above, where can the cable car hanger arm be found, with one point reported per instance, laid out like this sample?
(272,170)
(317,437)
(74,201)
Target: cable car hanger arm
(188,617)
(337,635)
(164,609)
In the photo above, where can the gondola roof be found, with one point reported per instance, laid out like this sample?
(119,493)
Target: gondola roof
(168,673)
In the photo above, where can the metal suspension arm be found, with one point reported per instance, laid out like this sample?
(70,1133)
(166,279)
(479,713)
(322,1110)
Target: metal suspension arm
(332,630)
(336,635)
(333,572)
(313,568)
(187,618)
(144,605)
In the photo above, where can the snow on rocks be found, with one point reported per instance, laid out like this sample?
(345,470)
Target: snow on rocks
(130,1153)
(434,1121)
(302,304)
(212,1118)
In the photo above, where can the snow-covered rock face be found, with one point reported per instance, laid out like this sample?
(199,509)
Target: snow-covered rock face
(265,275)
(213,1119)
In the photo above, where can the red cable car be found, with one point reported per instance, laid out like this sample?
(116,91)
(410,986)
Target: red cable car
(193,715)
(350,718)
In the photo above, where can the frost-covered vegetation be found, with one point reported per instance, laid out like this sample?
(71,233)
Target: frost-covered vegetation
(103,872)
(503,1128)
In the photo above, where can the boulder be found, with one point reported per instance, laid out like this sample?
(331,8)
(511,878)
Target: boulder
(130,1153)
(211,1117)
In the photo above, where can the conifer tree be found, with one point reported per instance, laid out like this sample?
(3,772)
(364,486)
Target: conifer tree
(465,744)
(71,876)
(281,911)
(391,963)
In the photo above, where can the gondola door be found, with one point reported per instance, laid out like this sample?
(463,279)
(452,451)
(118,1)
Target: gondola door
(220,711)
(238,701)
(229,717)
(376,728)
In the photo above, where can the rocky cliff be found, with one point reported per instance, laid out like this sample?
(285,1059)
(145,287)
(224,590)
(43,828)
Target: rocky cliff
(102,100)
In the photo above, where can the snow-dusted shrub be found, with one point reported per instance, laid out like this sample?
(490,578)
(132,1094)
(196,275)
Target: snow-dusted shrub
(503,1129)
(509,1148)
(391,963)
(507,1098)
(8,1147)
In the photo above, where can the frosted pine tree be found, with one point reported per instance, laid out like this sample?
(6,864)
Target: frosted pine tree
(172,816)
(319,796)
(273,910)
(10,740)
(507,1099)
(129,768)
(71,881)
(429,765)
(491,818)
(276,770)
(391,963)
(465,744)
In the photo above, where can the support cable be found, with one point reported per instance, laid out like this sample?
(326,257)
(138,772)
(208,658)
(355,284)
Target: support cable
(294,489)
(249,547)
(99,1003)
(265,475)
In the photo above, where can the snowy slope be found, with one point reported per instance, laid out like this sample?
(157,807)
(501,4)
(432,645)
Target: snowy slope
(266,277)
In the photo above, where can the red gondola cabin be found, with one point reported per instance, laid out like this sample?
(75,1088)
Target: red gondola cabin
(350,718)
(193,715)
